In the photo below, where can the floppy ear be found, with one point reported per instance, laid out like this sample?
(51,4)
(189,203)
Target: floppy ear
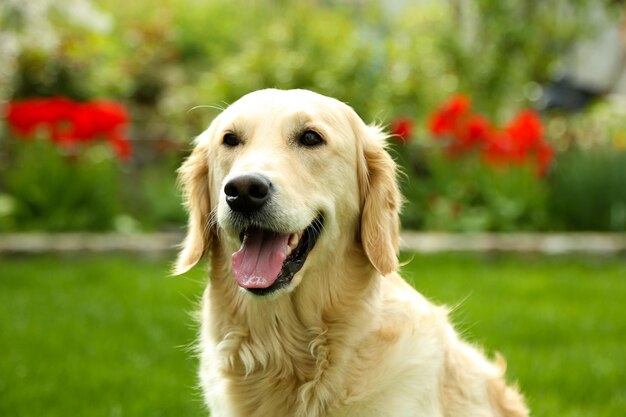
(193,176)
(380,201)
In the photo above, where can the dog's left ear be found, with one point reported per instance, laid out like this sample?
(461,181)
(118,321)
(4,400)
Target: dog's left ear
(380,200)
(193,176)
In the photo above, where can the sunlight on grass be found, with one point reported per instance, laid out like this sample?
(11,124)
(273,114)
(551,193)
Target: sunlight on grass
(560,323)
(97,337)
(111,336)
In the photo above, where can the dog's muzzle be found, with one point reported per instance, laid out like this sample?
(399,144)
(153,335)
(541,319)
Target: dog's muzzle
(268,260)
(269,255)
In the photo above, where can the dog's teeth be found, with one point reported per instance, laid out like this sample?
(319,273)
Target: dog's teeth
(293,240)
(288,251)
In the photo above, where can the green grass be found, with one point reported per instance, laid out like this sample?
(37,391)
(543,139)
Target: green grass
(560,323)
(104,336)
(110,335)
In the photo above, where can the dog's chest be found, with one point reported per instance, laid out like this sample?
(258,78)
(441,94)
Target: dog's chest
(263,394)
(257,375)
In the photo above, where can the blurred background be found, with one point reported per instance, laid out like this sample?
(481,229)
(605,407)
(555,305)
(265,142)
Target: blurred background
(160,67)
(505,117)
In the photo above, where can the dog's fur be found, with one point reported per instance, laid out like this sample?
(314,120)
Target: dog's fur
(348,337)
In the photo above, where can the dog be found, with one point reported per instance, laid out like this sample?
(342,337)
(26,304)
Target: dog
(294,200)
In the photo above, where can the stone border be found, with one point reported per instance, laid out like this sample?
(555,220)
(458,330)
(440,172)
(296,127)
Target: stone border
(35,243)
(548,243)
(422,242)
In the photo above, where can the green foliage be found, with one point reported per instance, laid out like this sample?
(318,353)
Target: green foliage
(164,60)
(462,194)
(296,46)
(159,203)
(588,190)
(382,61)
(48,190)
(87,189)
(500,52)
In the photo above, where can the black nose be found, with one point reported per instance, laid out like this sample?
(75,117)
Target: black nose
(247,193)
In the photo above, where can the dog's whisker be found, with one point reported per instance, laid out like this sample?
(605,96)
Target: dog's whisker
(206,106)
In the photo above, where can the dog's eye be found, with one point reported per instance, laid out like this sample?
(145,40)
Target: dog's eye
(310,139)
(231,139)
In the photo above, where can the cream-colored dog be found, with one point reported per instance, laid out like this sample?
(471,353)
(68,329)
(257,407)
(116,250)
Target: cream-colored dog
(295,201)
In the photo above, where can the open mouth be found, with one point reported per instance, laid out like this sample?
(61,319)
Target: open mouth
(268,260)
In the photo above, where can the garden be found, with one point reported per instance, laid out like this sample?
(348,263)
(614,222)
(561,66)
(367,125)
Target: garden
(100,101)
(106,108)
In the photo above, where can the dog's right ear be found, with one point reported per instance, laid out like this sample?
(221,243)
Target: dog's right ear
(193,176)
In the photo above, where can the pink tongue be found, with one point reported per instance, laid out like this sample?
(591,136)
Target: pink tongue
(260,259)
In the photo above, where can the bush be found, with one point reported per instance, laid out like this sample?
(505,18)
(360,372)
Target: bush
(588,190)
(472,175)
(163,61)
(157,200)
(465,195)
(49,191)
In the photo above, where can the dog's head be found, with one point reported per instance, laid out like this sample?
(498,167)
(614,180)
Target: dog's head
(285,181)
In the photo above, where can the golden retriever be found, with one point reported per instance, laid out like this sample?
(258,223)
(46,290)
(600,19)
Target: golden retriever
(295,202)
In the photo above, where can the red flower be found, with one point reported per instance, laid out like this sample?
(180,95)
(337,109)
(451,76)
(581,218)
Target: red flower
(499,150)
(68,122)
(121,145)
(466,131)
(544,156)
(526,130)
(471,133)
(520,142)
(26,116)
(402,129)
(99,116)
(445,120)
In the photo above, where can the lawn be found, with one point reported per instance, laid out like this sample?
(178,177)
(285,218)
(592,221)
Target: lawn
(111,336)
